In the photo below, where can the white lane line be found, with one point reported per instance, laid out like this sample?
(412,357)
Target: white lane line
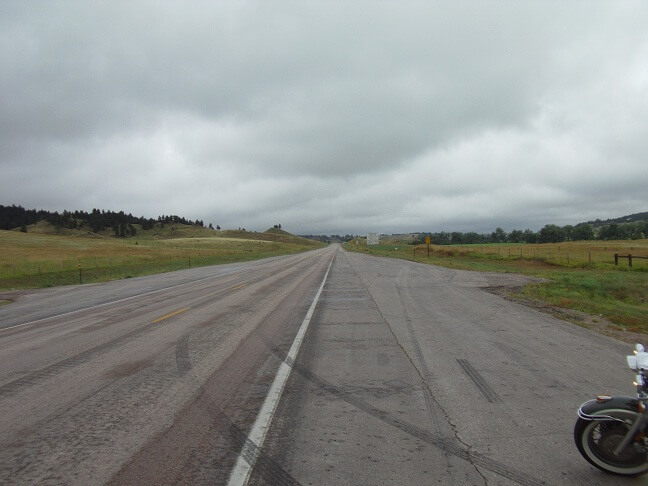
(121,300)
(248,456)
(132,297)
(234,271)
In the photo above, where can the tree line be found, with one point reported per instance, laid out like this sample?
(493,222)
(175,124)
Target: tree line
(122,224)
(329,239)
(550,233)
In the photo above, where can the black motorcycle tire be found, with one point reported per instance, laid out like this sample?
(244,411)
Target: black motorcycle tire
(596,439)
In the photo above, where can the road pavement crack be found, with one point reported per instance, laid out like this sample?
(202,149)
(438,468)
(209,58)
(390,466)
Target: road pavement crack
(424,373)
(462,452)
(465,452)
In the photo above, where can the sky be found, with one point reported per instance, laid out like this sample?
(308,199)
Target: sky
(328,117)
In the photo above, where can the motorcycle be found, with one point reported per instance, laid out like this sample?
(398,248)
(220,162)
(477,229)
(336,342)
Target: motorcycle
(612,432)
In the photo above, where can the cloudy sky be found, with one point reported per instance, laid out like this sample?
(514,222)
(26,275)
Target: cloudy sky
(328,116)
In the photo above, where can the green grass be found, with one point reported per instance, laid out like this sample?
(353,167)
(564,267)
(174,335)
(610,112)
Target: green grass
(46,259)
(619,296)
(581,275)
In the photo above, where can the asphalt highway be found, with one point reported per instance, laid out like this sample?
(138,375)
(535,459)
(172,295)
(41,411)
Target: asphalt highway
(407,374)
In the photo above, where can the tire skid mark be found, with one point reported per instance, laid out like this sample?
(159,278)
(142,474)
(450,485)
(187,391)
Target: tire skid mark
(213,417)
(433,439)
(425,372)
(479,381)
(151,296)
(419,433)
(264,465)
(426,377)
(37,377)
(433,407)
(257,435)
(182,355)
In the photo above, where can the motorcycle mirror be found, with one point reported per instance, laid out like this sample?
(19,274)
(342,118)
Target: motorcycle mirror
(639,348)
(642,361)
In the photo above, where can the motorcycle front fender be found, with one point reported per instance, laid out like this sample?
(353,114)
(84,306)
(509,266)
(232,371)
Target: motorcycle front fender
(610,408)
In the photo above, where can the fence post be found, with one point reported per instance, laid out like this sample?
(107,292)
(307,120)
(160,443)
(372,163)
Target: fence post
(616,259)
(630,260)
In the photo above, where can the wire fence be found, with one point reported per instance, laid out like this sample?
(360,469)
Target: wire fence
(567,255)
(60,271)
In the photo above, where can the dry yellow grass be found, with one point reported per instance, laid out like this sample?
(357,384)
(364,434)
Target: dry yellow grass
(38,259)
(568,253)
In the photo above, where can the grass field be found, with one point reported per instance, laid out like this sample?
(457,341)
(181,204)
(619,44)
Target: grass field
(582,275)
(42,258)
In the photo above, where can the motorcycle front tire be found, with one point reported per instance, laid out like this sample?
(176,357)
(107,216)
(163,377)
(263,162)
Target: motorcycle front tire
(597,439)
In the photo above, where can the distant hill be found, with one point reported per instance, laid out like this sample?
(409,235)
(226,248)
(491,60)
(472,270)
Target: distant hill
(276,231)
(632,218)
(110,224)
(272,234)
(172,231)
(135,231)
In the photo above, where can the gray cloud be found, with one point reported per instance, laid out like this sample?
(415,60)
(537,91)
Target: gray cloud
(327,116)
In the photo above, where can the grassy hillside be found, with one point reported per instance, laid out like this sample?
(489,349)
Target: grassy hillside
(45,257)
(582,275)
(273,234)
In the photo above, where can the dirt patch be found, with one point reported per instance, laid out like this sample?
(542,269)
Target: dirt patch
(595,323)
(9,296)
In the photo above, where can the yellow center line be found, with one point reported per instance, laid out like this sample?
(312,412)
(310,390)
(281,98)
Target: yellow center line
(171,314)
(239,286)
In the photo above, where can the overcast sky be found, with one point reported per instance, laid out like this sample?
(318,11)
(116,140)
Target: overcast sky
(325,116)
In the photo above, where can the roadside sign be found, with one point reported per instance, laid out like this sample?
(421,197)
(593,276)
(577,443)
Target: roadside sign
(427,240)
